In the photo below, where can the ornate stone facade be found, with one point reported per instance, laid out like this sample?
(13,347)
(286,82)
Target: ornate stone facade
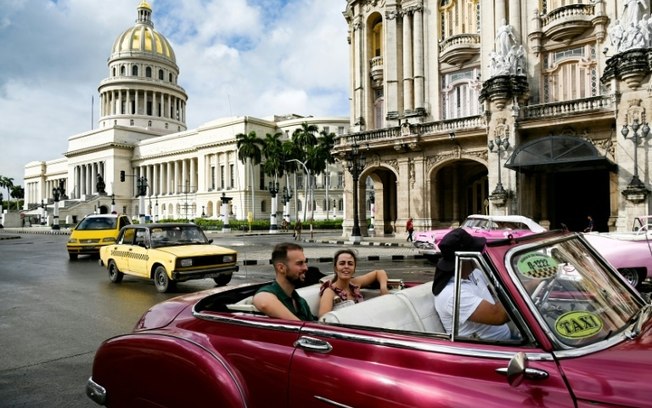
(435,83)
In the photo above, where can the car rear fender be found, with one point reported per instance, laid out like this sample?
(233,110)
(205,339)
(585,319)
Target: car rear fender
(158,368)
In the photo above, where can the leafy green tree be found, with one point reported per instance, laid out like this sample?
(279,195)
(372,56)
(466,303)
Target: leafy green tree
(18,193)
(249,150)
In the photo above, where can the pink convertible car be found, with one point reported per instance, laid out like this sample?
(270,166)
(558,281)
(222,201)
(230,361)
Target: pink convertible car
(490,227)
(580,337)
(629,252)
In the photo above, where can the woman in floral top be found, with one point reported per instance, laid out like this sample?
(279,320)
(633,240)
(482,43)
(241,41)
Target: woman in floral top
(344,289)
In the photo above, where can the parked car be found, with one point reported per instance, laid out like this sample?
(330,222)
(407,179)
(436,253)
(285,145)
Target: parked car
(490,227)
(629,252)
(582,338)
(93,232)
(167,253)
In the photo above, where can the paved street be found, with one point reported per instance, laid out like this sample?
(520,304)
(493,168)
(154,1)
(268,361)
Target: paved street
(54,313)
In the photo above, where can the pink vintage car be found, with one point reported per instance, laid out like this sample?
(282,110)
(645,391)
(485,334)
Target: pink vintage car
(490,227)
(629,252)
(581,338)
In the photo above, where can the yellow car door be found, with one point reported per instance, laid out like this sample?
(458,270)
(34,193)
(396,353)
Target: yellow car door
(139,253)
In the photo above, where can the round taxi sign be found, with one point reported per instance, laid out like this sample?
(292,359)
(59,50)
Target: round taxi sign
(537,265)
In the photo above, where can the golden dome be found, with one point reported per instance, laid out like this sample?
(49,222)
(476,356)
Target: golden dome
(143,39)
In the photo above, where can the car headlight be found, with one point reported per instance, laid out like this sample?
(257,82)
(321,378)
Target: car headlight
(109,239)
(72,241)
(228,258)
(186,262)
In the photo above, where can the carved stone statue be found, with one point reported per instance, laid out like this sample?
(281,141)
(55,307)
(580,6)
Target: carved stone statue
(62,189)
(509,57)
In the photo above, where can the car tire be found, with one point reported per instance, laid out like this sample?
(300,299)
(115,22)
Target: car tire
(223,279)
(162,281)
(73,257)
(631,275)
(115,275)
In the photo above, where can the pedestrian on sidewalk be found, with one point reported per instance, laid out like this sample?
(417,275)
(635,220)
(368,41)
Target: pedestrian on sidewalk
(297,230)
(409,227)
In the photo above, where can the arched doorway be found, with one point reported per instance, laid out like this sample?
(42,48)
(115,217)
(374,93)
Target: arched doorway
(385,199)
(458,189)
(564,179)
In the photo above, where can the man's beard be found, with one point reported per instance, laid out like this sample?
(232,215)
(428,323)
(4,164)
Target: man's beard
(296,280)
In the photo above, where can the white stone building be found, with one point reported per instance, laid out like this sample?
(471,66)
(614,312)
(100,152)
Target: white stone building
(142,131)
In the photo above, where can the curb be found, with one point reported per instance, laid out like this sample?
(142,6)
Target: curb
(329,259)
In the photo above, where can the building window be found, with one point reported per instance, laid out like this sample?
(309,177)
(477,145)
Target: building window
(263,206)
(461,93)
(160,74)
(231,175)
(261,185)
(134,70)
(570,74)
(340,180)
(222,178)
(122,70)
(340,130)
(148,72)
(212,177)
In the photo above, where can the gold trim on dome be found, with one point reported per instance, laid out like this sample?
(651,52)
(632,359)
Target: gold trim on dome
(144,4)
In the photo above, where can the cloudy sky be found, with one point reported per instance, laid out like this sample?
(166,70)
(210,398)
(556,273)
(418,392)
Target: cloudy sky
(236,57)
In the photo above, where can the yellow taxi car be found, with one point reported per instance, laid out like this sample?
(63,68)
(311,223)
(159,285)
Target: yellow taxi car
(167,253)
(93,232)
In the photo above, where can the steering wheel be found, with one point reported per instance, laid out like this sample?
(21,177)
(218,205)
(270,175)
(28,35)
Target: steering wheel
(540,294)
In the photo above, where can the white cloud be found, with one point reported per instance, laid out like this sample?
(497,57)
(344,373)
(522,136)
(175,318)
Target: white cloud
(237,57)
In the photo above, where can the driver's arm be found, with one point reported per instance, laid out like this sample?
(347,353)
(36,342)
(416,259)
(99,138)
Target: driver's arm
(487,313)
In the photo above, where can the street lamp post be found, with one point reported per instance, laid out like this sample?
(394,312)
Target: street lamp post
(112,203)
(287,195)
(141,184)
(355,162)
(636,191)
(42,213)
(372,208)
(56,194)
(273,191)
(225,213)
(498,146)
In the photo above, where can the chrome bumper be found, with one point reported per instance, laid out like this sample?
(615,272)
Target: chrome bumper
(95,391)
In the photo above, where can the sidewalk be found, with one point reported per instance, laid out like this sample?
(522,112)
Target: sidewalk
(369,248)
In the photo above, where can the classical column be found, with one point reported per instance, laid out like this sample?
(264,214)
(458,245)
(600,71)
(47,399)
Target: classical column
(177,177)
(419,80)
(499,12)
(185,181)
(390,62)
(408,97)
(192,177)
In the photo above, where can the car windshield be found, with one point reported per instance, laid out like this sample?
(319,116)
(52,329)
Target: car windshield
(576,297)
(177,235)
(97,223)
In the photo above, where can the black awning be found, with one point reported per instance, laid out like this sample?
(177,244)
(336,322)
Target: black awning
(555,154)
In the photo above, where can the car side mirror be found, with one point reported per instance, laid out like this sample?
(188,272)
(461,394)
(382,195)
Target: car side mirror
(210,241)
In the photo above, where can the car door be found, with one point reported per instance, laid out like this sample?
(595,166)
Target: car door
(121,250)
(336,366)
(139,253)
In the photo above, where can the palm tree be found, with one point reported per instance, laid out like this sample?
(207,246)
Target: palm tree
(305,140)
(248,146)
(274,165)
(8,183)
